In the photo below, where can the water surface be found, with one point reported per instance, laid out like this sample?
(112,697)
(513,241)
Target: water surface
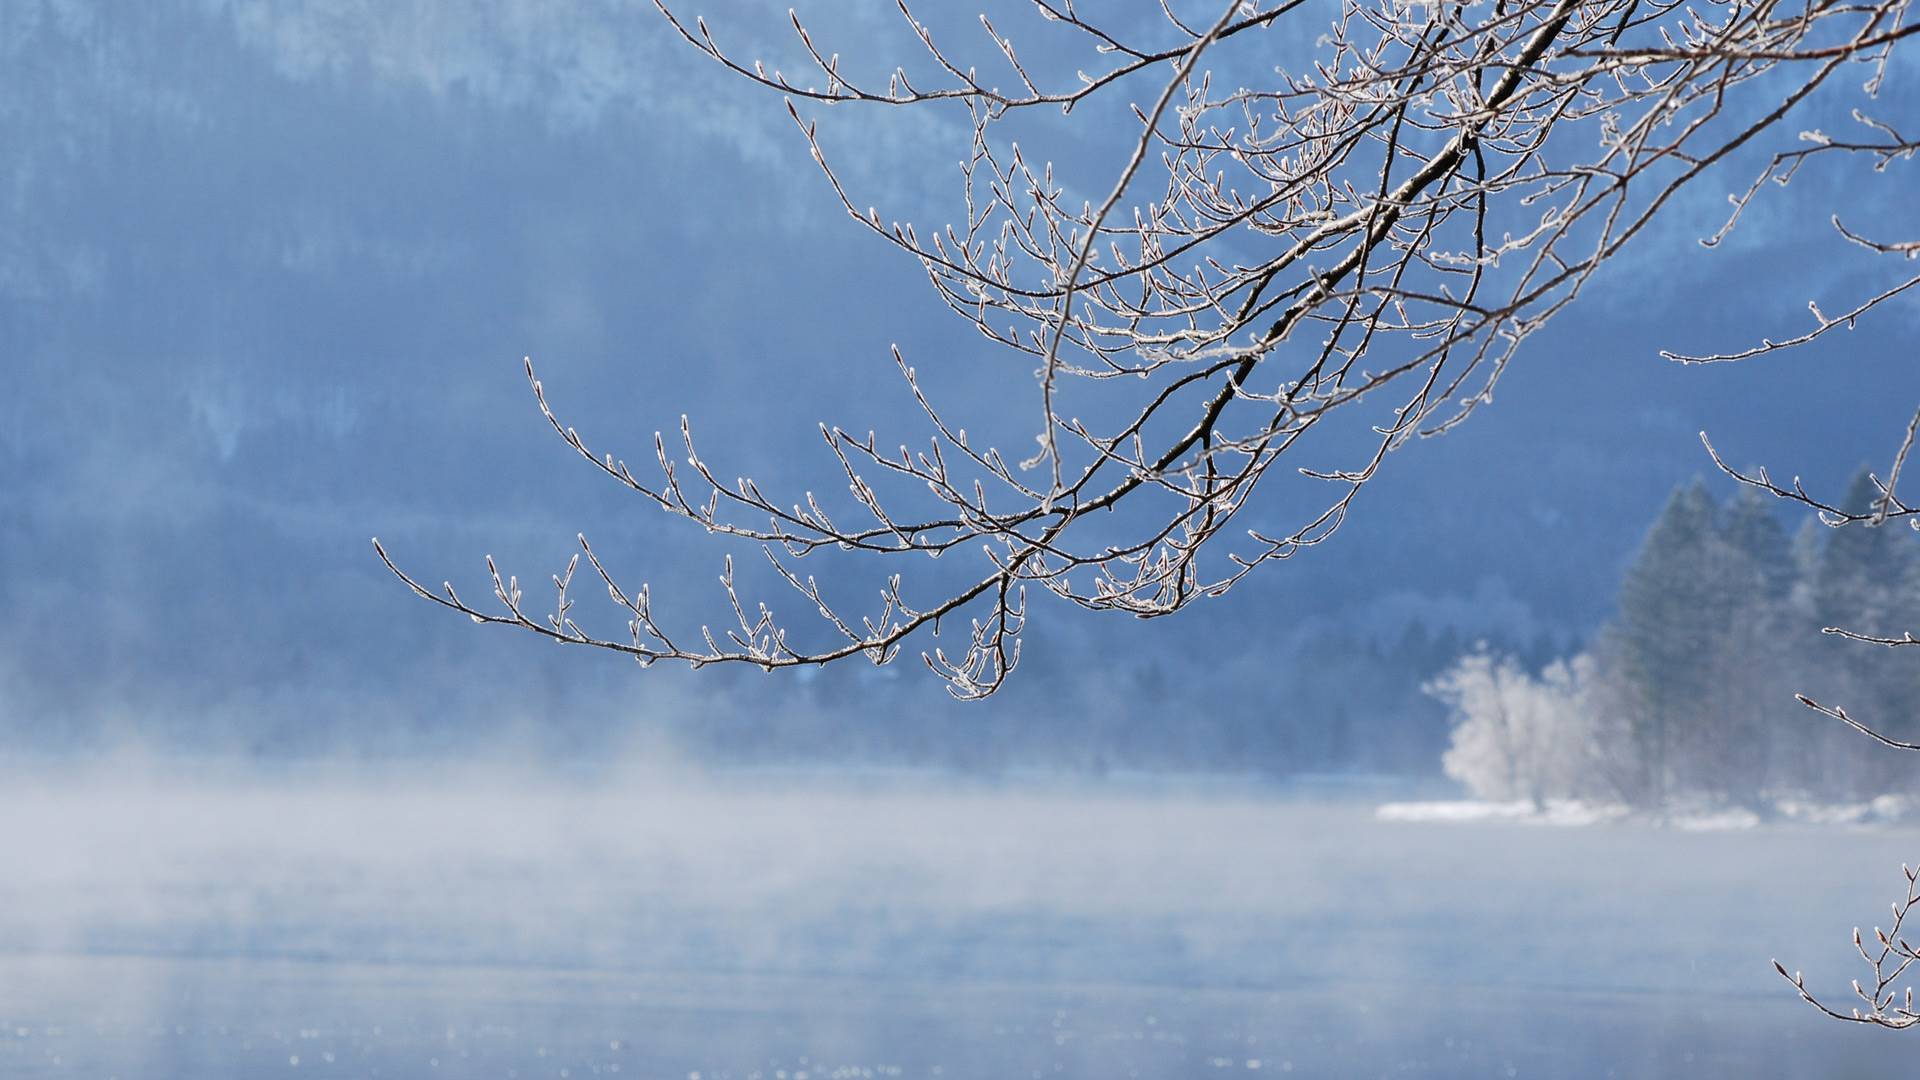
(857,926)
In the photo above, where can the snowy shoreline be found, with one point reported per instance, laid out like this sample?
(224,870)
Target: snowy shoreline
(1883,810)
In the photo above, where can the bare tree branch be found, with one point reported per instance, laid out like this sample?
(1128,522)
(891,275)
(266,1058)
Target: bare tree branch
(1884,1004)
(1366,236)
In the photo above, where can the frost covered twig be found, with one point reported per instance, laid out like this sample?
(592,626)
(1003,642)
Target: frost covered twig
(1885,507)
(1365,236)
(1885,1004)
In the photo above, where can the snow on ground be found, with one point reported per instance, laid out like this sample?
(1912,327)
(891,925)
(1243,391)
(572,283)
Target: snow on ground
(1883,810)
(1465,811)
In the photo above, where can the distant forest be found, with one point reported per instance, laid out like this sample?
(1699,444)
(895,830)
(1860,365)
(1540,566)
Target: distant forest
(1685,693)
(1688,694)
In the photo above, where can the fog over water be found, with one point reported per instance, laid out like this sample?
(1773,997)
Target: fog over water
(486,922)
(267,275)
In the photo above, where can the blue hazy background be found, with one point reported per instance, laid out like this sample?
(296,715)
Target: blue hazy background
(267,272)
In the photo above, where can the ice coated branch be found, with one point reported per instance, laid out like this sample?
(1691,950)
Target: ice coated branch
(1883,508)
(1884,1003)
(1366,237)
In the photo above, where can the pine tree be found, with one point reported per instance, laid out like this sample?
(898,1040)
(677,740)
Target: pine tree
(1675,597)
(1862,582)
(1752,529)
(1678,602)
(1861,570)
(1809,541)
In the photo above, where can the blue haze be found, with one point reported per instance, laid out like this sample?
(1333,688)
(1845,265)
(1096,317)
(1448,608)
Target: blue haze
(267,272)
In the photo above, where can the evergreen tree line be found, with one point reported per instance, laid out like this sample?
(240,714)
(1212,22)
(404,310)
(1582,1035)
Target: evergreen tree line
(1688,694)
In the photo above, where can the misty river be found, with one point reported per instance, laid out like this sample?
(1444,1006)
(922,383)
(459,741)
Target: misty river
(808,927)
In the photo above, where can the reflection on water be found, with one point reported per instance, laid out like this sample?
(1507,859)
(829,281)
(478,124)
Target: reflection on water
(852,927)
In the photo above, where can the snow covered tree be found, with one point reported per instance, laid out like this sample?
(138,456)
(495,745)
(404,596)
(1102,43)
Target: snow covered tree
(1516,736)
(1330,215)
(1682,699)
